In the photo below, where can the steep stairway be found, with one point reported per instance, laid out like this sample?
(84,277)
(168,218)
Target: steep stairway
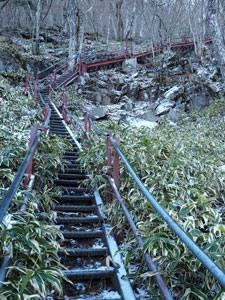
(88,243)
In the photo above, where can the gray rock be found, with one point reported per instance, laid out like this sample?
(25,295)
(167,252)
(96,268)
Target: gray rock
(153,106)
(7,62)
(198,101)
(86,76)
(81,80)
(177,71)
(128,105)
(106,100)
(150,116)
(174,93)
(130,65)
(97,97)
(164,108)
(143,96)
(133,90)
(173,115)
(98,113)
(180,107)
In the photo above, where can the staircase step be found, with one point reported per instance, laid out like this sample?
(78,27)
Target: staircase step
(85,252)
(89,274)
(74,171)
(66,182)
(76,189)
(77,220)
(70,153)
(83,234)
(75,208)
(72,176)
(74,198)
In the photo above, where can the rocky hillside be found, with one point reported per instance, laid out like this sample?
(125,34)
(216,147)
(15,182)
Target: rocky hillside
(169,84)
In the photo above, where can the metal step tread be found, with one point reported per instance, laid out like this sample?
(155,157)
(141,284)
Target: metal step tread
(89,273)
(75,208)
(101,251)
(77,220)
(82,234)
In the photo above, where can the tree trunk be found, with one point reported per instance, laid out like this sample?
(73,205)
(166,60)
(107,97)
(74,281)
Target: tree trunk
(72,42)
(36,45)
(216,34)
(119,19)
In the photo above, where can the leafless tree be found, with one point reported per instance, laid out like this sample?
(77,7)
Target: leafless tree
(217,31)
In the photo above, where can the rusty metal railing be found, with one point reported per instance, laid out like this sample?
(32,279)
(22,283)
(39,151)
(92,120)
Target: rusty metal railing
(210,265)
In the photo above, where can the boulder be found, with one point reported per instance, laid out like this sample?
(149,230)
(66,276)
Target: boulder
(7,62)
(86,75)
(97,97)
(174,93)
(130,65)
(177,71)
(81,80)
(106,100)
(198,101)
(150,116)
(128,105)
(143,96)
(164,108)
(173,116)
(98,113)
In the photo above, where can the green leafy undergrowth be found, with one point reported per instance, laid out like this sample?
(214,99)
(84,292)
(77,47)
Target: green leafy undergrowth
(181,168)
(34,267)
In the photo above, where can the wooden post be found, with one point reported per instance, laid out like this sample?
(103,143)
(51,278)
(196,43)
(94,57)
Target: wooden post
(37,78)
(30,164)
(47,109)
(116,164)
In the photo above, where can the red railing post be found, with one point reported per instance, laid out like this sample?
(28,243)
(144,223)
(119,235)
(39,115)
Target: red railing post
(46,116)
(64,71)
(30,164)
(35,94)
(84,61)
(126,55)
(80,66)
(89,123)
(27,80)
(54,83)
(37,78)
(50,87)
(116,164)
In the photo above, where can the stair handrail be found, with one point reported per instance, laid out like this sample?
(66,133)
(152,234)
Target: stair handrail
(50,67)
(209,264)
(5,203)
